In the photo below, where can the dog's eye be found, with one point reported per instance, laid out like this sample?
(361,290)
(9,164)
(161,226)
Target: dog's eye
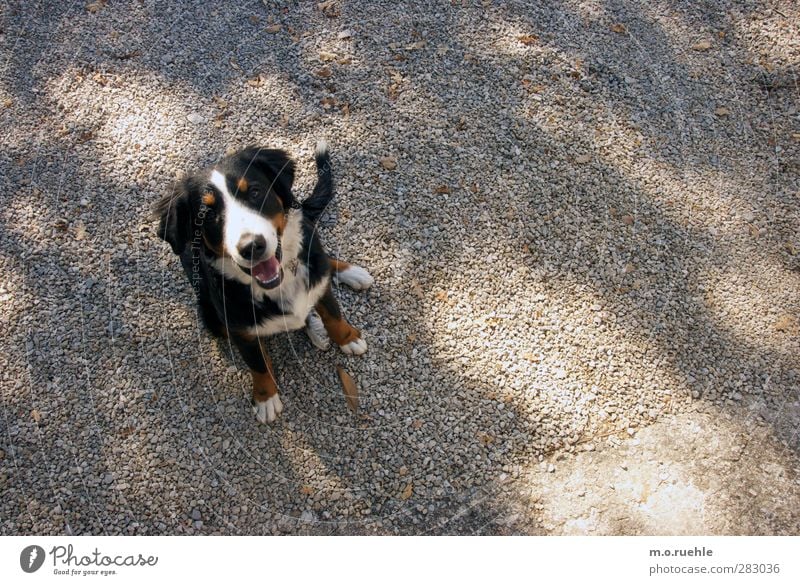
(254,192)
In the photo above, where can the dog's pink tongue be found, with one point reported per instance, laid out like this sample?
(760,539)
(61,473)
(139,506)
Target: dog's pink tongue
(267,270)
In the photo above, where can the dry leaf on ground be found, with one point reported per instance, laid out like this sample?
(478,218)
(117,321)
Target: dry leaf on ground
(703,45)
(95,7)
(786,323)
(329,8)
(388,162)
(350,389)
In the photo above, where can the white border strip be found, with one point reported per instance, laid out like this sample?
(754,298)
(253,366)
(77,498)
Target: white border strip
(374,560)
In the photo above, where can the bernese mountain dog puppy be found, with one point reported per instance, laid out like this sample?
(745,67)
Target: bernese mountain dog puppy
(255,260)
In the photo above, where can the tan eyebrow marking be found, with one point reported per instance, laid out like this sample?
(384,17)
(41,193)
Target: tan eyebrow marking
(209,199)
(242,185)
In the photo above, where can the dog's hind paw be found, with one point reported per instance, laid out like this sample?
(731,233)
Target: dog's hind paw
(355,347)
(268,411)
(315,329)
(355,277)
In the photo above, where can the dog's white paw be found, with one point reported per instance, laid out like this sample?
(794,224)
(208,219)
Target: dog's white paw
(355,347)
(315,329)
(268,410)
(355,277)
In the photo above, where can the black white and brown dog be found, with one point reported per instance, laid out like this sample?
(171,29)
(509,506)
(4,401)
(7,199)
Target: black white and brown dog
(255,260)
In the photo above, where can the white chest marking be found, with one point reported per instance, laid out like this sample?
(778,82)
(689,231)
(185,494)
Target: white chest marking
(295,299)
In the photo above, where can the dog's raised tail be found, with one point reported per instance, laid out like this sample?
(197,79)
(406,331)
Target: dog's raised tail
(322,195)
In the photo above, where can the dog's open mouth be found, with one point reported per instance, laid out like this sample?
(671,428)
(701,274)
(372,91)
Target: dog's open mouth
(267,273)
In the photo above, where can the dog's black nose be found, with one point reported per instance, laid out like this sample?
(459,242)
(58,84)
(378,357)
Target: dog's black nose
(252,247)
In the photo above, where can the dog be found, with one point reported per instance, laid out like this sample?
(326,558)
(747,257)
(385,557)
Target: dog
(255,260)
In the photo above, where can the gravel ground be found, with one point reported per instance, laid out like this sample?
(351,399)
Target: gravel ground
(582,218)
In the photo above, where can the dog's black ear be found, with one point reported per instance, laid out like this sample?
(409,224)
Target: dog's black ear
(278,167)
(174,214)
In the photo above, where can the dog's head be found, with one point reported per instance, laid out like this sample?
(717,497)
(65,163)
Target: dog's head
(237,210)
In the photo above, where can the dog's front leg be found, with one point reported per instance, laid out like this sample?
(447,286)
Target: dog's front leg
(266,402)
